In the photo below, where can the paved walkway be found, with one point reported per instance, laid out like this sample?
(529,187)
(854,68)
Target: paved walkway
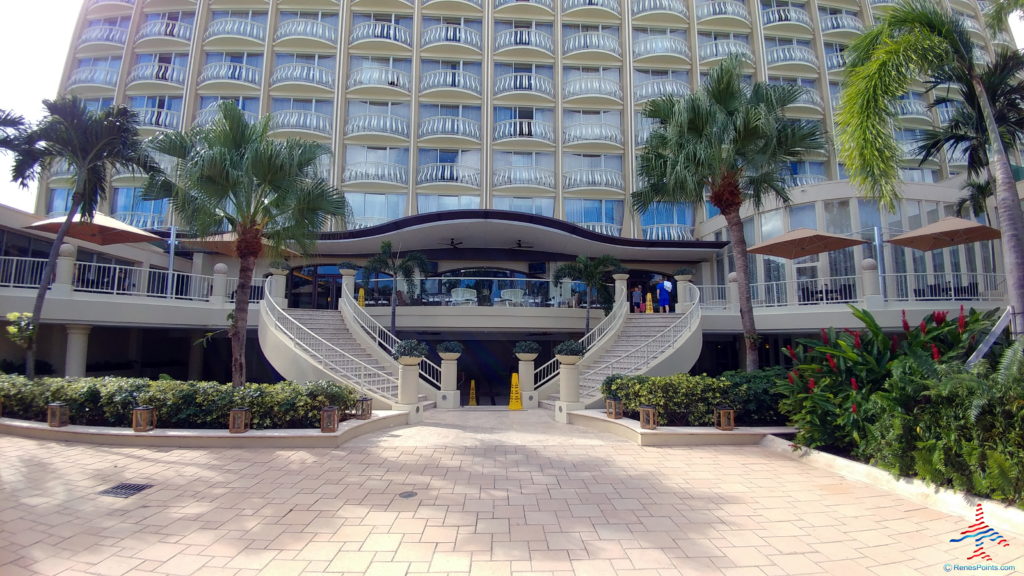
(496,493)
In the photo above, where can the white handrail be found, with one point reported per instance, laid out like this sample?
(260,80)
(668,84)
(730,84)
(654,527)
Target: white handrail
(354,371)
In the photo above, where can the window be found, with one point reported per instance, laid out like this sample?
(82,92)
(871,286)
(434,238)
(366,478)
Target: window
(59,202)
(538,206)
(372,209)
(97,104)
(328,18)
(436,203)
(158,111)
(129,207)
(803,216)
(250,104)
(586,211)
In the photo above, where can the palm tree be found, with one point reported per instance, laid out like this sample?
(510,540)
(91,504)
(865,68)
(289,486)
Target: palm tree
(94,145)
(591,272)
(391,262)
(232,177)
(12,127)
(734,142)
(975,202)
(918,37)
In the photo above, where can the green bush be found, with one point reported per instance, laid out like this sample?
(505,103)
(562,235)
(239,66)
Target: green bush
(109,401)
(755,398)
(680,400)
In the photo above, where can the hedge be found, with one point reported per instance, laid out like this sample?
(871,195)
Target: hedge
(109,401)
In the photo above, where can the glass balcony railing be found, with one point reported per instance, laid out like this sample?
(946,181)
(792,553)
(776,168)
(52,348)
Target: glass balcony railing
(644,7)
(450,126)
(379,76)
(389,124)
(723,48)
(542,3)
(376,172)
(835,61)
(643,91)
(453,79)
(842,22)
(206,116)
(446,173)
(157,72)
(591,132)
(592,178)
(304,73)
(165,29)
(381,31)
(524,38)
(524,176)
(591,86)
(524,82)
(103,34)
(785,15)
(231,71)
(303,28)
(239,27)
(143,220)
(609,5)
(661,46)
(605,228)
(717,8)
(667,232)
(584,41)
(535,129)
(451,34)
(158,118)
(304,120)
(94,75)
(790,55)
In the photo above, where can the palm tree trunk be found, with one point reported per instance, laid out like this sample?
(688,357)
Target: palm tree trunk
(394,301)
(248,247)
(1011,218)
(44,286)
(739,253)
(586,324)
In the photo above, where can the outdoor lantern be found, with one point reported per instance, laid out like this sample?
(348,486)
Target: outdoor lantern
(143,418)
(648,417)
(329,419)
(725,418)
(364,408)
(239,420)
(613,408)
(58,414)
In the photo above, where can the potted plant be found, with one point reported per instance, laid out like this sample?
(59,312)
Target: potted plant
(569,352)
(410,352)
(620,272)
(343,266)
(683,274)
(278,267)
(449,350)
(526,350)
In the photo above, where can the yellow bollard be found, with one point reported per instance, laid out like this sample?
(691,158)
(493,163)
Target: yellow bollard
(515,400)
(362,297)
(472,393)
(650,304)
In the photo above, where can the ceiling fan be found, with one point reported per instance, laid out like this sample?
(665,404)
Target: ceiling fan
(519,244)
(452,243)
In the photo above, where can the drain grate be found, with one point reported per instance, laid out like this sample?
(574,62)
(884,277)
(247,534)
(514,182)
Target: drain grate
(407,494)
(125,490)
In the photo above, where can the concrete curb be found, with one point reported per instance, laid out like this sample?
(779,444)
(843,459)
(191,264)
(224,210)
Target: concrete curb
(672,435)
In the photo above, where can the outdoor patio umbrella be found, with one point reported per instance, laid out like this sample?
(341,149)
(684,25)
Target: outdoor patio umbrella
(803,242)
(223,244)
(102,230)
(947,232)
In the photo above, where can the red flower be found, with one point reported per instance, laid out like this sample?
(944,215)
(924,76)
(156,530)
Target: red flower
(924,328)
(831,362)
(906,325)
(811,384)
(856,340)
(894,345)
(939,317)
(961,321)
(824,336)
(853,408)
(791,352)
(789,377)
(935,353)
(853,384)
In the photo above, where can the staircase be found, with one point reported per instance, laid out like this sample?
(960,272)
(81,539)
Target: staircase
(330,325)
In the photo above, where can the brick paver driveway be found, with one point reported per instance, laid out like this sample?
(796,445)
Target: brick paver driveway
(496,493)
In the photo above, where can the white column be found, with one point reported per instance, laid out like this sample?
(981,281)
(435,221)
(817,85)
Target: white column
(621,290)
(143,278)
(869,284)
(568,391)
(734,292)
(682,293)
(77,349)
(277,286)
(63,283)
(449,396)
(220,284)
(408,391)
(348,283)
(526,383)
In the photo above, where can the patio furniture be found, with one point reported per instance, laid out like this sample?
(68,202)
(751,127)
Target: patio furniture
(512,297)
(463,297)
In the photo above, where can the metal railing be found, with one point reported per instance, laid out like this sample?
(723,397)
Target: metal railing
(536,129)
(231,71)
(542,3)
(790,55)
(523,37)
(524,82)
(21,272)
(303,72)
(488,291)
(450,126)
(451,34)
(524,176)
(376,171)
(916,287)
(165,29)
(842,22)
(92,3)
(912,109)
(575,132)
(835,61)
(592,178)
(444,172)
(674,7)
(241,27)
(797,180)
(785,14)
(104,34)
(256,289)
(609,5)
(158,72)
(606,228)
(723,48)
(97,75)
(810,98)
(591,86)
(476,3)
(158,117)
(377,124)
(208,115)
(581,41)
(441,79)
(716,8)
(661,45)
(381,31)
(379,76)
(305,120)
(667,232)
(650,89)
(144,220)
(303,28)
(714,295)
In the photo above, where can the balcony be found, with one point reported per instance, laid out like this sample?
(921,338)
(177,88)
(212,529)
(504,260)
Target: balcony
(786,20)
(389,6)
(300,30)
(602,228)
(523,42)
(301,122)
(801,180)
(528,130)
(207,116)
(526,85)
(385,127)
(592,178)
(93,77)
(158,118)
(103,8)
(596,45)
(227,31)
(449,128)
(667,232)
(591,89)
(946,114)
(835,62)
(378,81)
(142,220)
(913,110)
(231,72)
(660,11)
(651,89)
(451,83)
(842,27)
(453,40)
(723,13)
(157,73)
(380,36)
(164,34)
(791,58)
(452,6)
(810,99)
(720,49)
(97,39)
(591,9)
(303,73)
(1005,39)
(447,173)
(595,133)
(524,177)
(376,174)
(524,8)
(667,50)
(959,158)
(883,4)
(60,169)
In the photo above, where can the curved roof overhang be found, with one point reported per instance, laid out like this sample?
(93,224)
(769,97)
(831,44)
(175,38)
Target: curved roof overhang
(497,235)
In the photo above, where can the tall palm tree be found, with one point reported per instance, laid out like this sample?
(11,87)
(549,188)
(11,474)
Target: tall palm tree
(591,272)
(390,261)
(232,177)
(918,37)
(12,127)
(975,202)
(94,145)
(733,142)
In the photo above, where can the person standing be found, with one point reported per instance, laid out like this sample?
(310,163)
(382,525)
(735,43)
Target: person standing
(637,297)
(664,295)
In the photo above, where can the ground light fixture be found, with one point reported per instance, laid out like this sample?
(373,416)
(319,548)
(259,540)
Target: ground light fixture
(725,418)
(239,420)
(613,408)
(143,418)
(57,414)
(648,417)
(329,419)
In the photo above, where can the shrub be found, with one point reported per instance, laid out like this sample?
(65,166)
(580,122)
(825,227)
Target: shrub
(569,348)
(680,400)
(526,347)
(450,347)
(348,266)
(413,348)
(684,271)
(755,398)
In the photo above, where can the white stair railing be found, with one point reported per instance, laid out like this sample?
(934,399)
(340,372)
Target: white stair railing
(642,356)
(387,341)
(329,357)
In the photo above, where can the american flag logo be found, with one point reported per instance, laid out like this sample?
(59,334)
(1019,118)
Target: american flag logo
(981,533)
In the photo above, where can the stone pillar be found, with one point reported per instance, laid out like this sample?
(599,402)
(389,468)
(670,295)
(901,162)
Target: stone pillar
(77,349)
(348,283)
(734,292)
(682,293)
(64,279)
(568,388)
(621,291)
(195,355)
(220,284)
(143,278)
(869,284)
(408,388)
(526,383)
(449,396)
(277,286)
